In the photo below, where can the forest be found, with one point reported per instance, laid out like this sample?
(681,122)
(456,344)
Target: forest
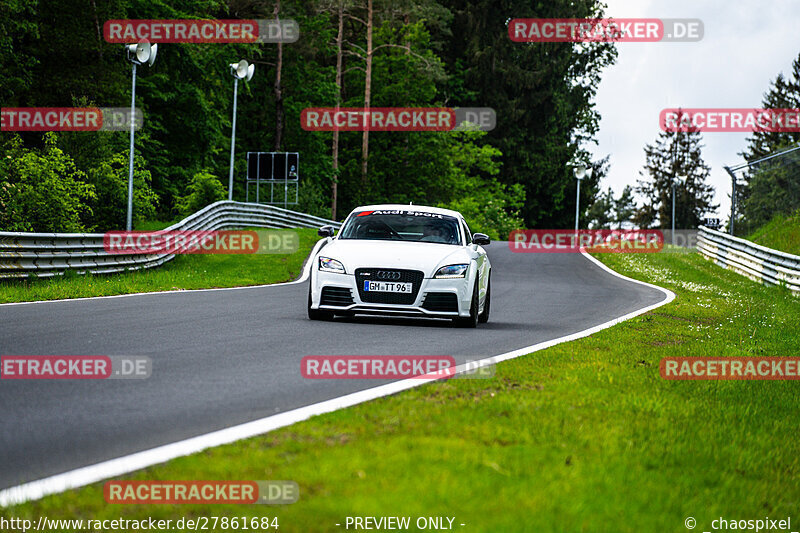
(359,53)
(353,54)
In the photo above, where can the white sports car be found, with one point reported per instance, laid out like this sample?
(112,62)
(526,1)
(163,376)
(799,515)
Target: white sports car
(405,260)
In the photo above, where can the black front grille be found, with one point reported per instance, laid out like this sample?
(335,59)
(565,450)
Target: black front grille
(336,296)
(405,276)
(441,301)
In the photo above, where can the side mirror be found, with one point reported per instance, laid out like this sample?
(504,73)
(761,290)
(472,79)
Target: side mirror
(325,231)
(480,239)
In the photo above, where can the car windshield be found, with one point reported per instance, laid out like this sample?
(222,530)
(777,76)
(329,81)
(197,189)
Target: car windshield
(395,225)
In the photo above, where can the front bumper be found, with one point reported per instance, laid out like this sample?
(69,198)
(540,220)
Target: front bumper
(449,298)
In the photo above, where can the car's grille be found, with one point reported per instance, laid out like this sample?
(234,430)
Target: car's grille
(405,276)
(441,301)
(336,296)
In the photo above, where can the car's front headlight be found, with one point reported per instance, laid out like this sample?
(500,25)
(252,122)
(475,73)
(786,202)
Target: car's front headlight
(326,264)
(451,271)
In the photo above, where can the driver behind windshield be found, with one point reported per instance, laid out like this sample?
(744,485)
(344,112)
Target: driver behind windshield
(371,226)
(431,233)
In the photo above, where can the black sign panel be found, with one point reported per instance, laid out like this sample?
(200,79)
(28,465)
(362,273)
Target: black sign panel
(275,166)
(252,165)
(279,169)
(264,166)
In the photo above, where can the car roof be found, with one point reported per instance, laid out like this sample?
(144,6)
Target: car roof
(408,207)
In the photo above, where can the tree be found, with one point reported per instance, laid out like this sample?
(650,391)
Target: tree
(773,187)
(624,207)
(609,212)
(784,93)
(389,36)
(601,213)
(589,188)
(487,205)
(338,8)
(17,25)
(424,53)
(110,181)
(674,155)
(42,191)
(542,94)
(204,189)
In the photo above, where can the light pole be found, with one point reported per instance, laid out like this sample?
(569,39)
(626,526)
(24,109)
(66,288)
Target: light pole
(239,71)
(138,54)
(580,172)
(682,180)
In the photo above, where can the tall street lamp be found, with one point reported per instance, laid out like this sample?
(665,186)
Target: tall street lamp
(138,54)
(580,173)
(239,71)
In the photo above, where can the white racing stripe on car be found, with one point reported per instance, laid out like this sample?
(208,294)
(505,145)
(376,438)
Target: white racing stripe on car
(127,464)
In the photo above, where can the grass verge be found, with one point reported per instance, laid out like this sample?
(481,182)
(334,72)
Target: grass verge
(583,436)
(781,233)
(190,271)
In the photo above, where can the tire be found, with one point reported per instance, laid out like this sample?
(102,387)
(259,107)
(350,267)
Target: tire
(483,318)
(316,314)
(472,320)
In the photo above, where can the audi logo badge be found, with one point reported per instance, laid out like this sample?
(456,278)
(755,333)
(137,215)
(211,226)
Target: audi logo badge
(387,274)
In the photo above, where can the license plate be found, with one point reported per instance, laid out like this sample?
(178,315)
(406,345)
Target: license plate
(387,286)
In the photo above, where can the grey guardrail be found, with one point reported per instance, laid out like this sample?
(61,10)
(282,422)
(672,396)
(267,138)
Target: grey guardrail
(752,260)
(51,254)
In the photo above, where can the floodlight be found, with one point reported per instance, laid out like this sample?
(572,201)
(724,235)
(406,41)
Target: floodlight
(240,71)
(138,54)
(142,52)
(130,49)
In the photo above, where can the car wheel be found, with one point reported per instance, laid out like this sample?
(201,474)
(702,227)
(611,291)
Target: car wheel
(472,320)
(317,314)
(483,318)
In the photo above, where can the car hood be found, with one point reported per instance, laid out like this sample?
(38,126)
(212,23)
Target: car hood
(424,256)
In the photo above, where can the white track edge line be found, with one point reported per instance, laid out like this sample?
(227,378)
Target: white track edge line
(303,277)
(80,477)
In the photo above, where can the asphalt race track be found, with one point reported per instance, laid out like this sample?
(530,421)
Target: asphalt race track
(226,357)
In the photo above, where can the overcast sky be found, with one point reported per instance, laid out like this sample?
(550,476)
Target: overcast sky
(745,45)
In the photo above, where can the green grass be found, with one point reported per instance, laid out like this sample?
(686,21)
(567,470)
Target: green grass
(190,271)
(781,233)
(583,436)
